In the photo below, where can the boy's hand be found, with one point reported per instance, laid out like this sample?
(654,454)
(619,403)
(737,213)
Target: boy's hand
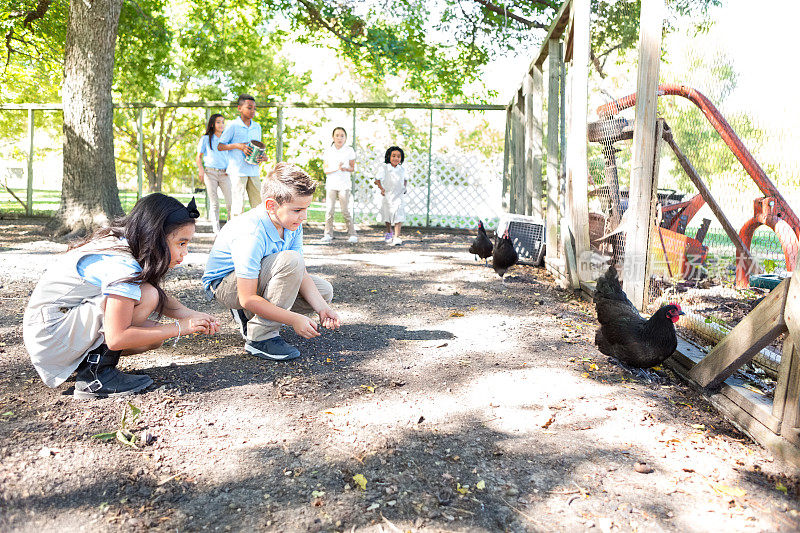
(262,158)
(305,327)
(329,318)
(246,148)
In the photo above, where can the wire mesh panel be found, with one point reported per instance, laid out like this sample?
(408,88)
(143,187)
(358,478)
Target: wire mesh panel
(462,189)
(613,74)
(728,174)
(724,83)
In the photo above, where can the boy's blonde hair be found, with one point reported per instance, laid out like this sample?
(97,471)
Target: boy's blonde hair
(287,181)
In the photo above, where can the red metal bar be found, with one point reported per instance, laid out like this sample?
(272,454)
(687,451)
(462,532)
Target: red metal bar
(728,135)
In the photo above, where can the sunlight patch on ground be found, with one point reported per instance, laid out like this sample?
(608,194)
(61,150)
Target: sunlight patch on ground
(404,261)
(195,259)
(473,337)
(523,388)
(22,264)
(510,402)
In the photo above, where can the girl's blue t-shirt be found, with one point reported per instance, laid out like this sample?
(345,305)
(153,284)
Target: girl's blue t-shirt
(104,270)
(212,158)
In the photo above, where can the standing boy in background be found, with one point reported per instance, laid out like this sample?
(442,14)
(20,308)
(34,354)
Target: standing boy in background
(244,176)
(256,268)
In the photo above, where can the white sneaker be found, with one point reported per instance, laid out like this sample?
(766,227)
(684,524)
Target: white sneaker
(326,239)
(353,239)
(397,241)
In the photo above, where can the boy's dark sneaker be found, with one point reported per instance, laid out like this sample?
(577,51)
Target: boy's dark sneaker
(241,321)
(275,349)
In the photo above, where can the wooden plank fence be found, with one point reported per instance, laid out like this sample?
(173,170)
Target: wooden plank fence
(774,423)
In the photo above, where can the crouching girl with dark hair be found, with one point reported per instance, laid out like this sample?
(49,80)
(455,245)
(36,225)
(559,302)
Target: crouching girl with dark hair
(93,305)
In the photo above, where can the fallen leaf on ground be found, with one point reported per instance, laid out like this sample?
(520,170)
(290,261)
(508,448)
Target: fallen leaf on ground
(457,314)
(361,481)
(480,485)
(736,492)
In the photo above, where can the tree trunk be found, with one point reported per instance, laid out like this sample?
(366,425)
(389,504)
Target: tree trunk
(89,196)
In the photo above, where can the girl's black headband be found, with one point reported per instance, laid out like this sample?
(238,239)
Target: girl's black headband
(182,214)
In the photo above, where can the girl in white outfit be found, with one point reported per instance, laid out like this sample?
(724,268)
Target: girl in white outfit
(211,165)
(392,182)
(94,304)
(338,163)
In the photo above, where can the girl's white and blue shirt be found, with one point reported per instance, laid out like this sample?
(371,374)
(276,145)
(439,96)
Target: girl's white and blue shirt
(63,320)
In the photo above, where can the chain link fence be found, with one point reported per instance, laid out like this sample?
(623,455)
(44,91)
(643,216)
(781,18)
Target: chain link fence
(453,154)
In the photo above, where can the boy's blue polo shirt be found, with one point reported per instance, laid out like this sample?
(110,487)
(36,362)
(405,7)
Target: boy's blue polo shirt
(212,158)
(237,132)
(244,241)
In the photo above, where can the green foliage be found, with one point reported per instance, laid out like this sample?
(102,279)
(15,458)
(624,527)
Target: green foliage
(187,50)
(483,139)
(123,434)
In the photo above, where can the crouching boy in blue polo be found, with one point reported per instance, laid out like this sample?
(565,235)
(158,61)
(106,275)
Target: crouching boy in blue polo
(256,268)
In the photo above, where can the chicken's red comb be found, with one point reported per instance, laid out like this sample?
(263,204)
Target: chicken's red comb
(676,304)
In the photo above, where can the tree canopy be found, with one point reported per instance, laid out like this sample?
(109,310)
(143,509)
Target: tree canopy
(178,50)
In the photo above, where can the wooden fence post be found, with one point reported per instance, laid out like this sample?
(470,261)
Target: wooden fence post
(517,156)
(527,124)
(507,150)
(430,156)
(140,153)
(279,136)
(29,192)
(577,167)
(554,67)
(639,219)
(534,140)
(353,174)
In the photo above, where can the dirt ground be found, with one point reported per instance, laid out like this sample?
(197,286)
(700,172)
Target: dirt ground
(447,402)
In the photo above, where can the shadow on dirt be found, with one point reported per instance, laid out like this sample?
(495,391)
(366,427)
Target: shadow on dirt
(426,477)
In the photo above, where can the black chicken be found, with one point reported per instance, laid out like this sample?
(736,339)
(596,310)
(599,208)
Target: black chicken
(504,255)
(624,334)
(481,246)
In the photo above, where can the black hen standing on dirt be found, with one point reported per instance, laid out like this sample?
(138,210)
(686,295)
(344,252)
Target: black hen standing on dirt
(504,256)
(481,246)
(624,334)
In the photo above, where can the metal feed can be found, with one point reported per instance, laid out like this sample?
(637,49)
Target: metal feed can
(258,149)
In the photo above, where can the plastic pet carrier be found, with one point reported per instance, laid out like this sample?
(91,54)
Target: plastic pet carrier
(527,234)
